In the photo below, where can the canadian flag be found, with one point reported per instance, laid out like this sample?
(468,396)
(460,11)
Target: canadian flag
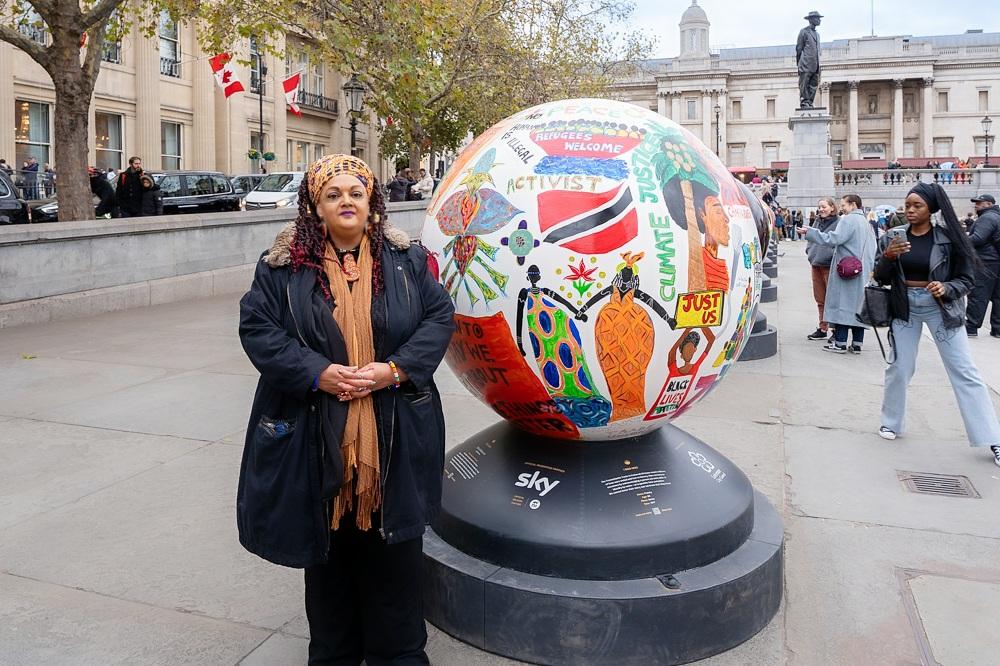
(225,74)
(291,86)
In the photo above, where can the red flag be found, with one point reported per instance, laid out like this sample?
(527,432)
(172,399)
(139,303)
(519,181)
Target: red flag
(225,74)
(291,86)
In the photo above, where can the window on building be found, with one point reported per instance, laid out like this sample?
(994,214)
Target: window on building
(108,140)
(170,46)
(316,78)
(981,145)
(837,151)
(909,149)
(256,60)
(112,51)
(984,100)
(319,150)
(736,113)
(32,26)
(942,147)
(737,154)
(837,105)
(872,104)
(771,105)
(298,155)
(170,145)
(31,132)
(692,109)
(942,101)
(909,104)
(770,153)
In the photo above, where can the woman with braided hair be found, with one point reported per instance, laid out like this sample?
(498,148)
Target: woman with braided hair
(929,268)
(345,448)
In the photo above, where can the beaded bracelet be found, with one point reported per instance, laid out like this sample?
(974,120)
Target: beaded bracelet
(395,375)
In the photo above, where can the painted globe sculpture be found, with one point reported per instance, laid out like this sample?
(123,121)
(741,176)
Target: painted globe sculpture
(604,266)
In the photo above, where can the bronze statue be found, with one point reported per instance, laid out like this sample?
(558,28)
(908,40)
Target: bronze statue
(807,60)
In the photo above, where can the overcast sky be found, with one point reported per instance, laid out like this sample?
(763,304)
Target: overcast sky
(747,23)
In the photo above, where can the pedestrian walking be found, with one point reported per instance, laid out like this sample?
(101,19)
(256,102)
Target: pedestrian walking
(424,186)
(929,269)
(152,197)
(344,453)
(31,178)
(101,188)
(820,257)
(49,181)
(984,234)
(779,224)
(399,186)
(853,250)
(129,189)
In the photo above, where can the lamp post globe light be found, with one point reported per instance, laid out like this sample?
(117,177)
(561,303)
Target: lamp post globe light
(718,131)
(354,94)
(986,122)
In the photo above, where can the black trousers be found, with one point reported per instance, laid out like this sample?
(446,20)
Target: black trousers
(987,289)
(366,602)
(808,82)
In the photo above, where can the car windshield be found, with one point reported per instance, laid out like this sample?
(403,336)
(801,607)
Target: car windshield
(280,182)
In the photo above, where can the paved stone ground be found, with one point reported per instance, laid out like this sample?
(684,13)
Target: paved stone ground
(120,440)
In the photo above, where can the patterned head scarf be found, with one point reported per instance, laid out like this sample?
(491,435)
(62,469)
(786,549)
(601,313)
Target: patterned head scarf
(325,168)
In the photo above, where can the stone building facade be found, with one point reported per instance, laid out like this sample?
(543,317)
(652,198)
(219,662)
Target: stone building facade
(157,98)
(889,97)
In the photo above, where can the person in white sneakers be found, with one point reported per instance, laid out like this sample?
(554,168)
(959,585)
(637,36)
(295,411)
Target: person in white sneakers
(929,269)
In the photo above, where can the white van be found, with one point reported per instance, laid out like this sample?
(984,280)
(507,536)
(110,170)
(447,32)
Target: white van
(277,190)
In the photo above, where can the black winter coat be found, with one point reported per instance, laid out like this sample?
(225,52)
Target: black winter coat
(948,266)
(292,464)
(129,192)
(984,234)
(152,201)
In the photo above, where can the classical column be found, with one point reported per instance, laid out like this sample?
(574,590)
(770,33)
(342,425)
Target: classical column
(897,118)
(675,106)
(147,101)
(7,104)
(927,119)
(721,130)
(852,121)
(203,112)
(661,104)
(824,96)
(706,118)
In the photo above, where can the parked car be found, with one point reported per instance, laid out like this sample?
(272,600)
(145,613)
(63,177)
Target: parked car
(247,182)
(277,190)
(195,191)
(13,209)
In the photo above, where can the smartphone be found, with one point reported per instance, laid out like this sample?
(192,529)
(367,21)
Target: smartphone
(896,232)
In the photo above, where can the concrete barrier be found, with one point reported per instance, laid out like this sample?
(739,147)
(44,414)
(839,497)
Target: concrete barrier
(72,269)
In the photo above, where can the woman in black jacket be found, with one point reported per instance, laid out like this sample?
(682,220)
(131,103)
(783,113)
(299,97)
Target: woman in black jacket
(930,270)
(345,447)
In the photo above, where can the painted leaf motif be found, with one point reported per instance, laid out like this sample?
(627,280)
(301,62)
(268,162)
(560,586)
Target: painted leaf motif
(449,217)
(494,212)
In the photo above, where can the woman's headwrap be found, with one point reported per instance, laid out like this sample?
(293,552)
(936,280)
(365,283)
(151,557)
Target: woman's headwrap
(325,168)
(927,192)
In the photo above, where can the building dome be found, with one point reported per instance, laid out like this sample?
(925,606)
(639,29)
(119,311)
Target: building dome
(694,13)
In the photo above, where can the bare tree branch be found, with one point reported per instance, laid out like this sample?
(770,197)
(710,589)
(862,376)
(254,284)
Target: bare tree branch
(36,51)
(99,13)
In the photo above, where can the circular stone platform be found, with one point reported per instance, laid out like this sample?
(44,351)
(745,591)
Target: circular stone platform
(652,549)
(763,341)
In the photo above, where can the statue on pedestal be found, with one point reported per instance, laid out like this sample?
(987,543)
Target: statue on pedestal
(807,60)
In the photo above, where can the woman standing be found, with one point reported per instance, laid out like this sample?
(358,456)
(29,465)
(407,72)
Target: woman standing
(929,274)
(345,447)
(852,237)
(819,257)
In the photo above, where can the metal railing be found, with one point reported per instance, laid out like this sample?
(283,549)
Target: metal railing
(170,67)
(842,177)
(320,102)
(33,185)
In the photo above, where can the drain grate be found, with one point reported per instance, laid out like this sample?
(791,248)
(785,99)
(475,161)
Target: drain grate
(945,485)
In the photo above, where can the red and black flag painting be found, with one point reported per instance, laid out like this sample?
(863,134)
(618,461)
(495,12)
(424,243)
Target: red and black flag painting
(588,222)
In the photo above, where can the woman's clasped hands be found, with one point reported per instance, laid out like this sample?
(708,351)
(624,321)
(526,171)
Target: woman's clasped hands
(348,382)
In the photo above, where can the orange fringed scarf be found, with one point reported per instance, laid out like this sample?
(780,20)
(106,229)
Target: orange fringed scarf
(359,446)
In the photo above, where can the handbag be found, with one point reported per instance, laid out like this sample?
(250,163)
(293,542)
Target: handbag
(875,312)
(850,267)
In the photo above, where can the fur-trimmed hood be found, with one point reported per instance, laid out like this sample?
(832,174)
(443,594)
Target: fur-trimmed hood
(280,253)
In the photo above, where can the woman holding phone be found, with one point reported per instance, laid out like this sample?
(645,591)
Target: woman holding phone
(929,269)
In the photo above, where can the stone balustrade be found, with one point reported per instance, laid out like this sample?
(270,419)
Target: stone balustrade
(877,186)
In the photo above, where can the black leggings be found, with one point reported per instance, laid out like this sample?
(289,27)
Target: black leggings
(365,603)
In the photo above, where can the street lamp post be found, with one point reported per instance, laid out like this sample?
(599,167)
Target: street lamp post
(354,94)
(260,89)
(718,131)
(986,122)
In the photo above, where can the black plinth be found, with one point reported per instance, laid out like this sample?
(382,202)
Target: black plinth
(768,291)
(763,342)
(645,550)
(770,269)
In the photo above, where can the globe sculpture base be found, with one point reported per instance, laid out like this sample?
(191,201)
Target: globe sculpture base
(653,549)
(763,341)
(770,268)
(768,291)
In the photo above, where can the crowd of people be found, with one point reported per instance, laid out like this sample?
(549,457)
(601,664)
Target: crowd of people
(403,186)
(942,274)
(36,181)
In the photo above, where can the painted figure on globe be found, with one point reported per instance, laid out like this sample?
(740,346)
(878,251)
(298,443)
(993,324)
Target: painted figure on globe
(681,373)
(558,350)
(468,215)
(624,334)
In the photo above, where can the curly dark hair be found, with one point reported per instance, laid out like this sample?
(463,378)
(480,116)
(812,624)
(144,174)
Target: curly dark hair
(309,243)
